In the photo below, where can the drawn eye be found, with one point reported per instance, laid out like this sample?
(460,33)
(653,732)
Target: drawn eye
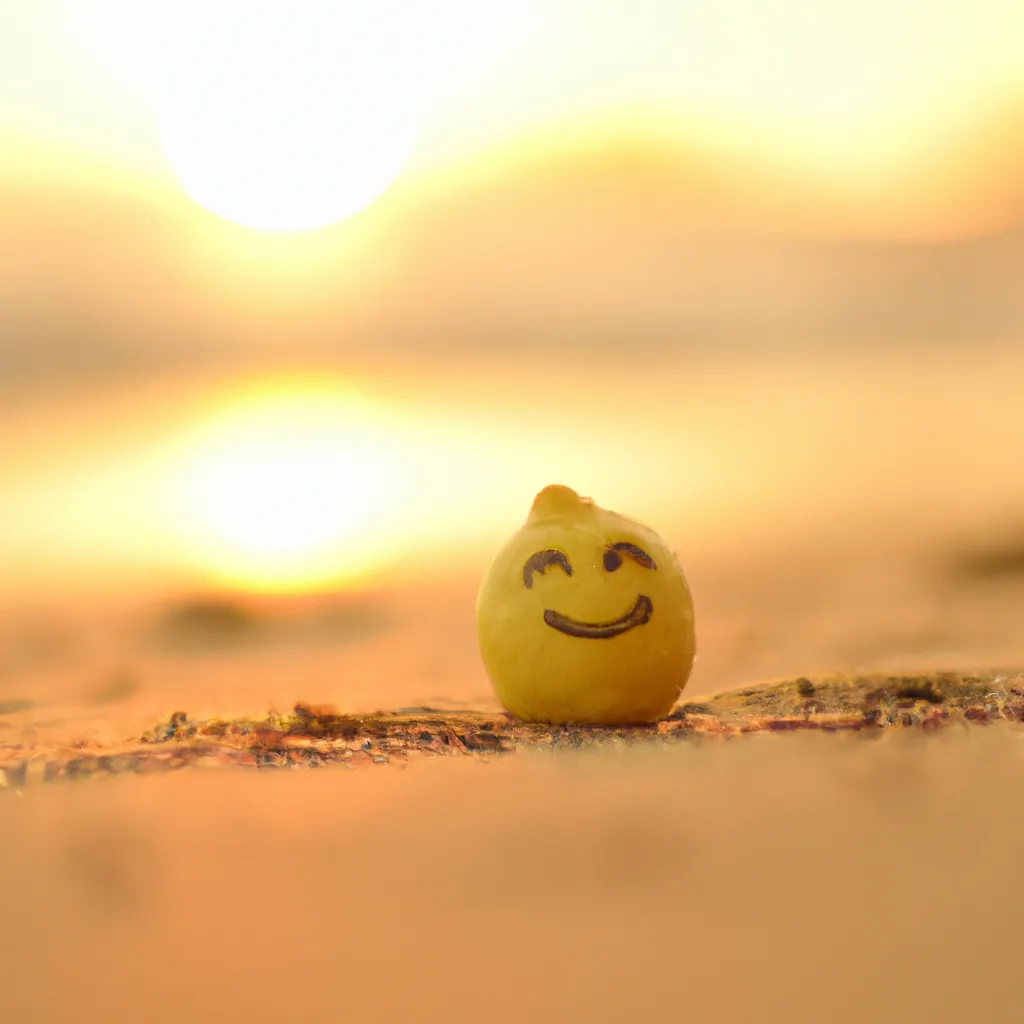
(540,560)
(613,556)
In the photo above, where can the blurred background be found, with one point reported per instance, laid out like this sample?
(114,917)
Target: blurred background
(301,304)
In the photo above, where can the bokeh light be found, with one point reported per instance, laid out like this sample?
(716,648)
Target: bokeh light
(280,488)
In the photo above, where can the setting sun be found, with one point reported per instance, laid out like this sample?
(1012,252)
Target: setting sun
(288,117)
(286,174)
(288,151)
(281,487)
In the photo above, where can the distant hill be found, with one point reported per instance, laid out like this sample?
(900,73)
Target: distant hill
(619,250)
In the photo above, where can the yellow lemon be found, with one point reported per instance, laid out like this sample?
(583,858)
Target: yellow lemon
(585,616)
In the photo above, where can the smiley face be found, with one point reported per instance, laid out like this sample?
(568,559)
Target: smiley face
(638,615)
(574,574)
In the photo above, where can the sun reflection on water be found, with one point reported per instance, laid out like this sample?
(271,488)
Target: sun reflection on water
(283,485)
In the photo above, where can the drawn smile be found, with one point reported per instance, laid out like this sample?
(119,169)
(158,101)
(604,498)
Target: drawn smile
(638,615)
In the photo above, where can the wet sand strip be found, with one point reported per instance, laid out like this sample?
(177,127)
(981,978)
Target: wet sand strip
(317,737)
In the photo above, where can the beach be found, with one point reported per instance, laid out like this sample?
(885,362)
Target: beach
(793,878)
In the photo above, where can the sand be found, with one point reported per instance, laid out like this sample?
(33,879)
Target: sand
(810,875)
(796,878)
(311,737)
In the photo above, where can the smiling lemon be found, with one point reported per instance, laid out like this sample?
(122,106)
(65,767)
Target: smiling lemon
(585,616)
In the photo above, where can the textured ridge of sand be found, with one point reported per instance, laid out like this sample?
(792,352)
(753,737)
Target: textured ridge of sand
(316,737)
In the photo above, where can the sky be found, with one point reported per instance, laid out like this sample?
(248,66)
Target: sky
(848,94)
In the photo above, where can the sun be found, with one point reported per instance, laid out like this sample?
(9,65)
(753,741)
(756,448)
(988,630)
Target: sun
(287,173)
(286,118)
(283,487)
(289,116)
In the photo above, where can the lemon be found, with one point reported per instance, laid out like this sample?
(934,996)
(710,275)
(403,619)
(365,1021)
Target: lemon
(585,616)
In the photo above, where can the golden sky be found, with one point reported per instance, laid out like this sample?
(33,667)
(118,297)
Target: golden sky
(850,93)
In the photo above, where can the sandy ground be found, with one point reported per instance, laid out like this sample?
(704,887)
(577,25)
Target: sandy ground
(775,879)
